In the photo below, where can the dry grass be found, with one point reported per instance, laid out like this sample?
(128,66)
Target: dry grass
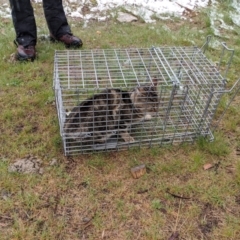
(95,196)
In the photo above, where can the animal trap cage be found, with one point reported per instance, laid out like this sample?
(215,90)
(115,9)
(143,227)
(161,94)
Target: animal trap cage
(98,109)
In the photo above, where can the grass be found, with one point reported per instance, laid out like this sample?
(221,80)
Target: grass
(94,196)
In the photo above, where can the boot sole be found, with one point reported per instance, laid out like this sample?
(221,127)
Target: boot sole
(24,59)
(72,45)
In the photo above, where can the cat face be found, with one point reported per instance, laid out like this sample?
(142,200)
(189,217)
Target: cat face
(145,98)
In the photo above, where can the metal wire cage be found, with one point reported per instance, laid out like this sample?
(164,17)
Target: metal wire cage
(188,86)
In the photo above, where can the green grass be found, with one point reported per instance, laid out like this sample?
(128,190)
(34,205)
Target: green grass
(94,196)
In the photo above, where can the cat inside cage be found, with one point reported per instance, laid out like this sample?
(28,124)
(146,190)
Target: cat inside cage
(112,112)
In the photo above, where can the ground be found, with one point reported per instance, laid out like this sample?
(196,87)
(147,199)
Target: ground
(189,191)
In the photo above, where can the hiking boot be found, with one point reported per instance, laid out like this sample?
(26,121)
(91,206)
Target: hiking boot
(26,53)
(69,40)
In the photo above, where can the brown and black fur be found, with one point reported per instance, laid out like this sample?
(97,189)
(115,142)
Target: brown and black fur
(111,112)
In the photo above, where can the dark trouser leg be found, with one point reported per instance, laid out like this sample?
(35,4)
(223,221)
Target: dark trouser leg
(56,18)
(24,22)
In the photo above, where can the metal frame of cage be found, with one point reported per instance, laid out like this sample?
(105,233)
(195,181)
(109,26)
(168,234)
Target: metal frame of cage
(190,87)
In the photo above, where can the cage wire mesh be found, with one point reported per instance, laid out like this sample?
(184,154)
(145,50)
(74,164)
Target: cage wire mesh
(112,99)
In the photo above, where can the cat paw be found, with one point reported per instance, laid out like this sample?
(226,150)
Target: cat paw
(147,117)
(130,140)
(127,138)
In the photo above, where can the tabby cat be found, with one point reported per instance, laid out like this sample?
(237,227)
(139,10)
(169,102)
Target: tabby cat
(111,112)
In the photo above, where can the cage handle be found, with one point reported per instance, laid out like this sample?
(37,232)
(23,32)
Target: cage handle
(224,49)
(229,62)
(231,100)
(205,45)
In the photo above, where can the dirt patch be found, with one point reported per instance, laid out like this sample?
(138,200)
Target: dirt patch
(208,220)
(29,164)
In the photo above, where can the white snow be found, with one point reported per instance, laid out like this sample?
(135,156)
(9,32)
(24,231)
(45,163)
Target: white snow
(142,8)
(147,10)
(235,15)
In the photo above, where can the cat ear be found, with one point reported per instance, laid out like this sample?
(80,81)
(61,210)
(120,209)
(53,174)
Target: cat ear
(136,91)
(155,81)
(134,94)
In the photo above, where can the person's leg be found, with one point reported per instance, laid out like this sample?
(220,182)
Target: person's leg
(25,28)
(24,22)
(56,18)
(58,24)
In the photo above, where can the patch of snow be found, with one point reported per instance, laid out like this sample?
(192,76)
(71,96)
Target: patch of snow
(235,14)
(5,11)
(147,10)
(142,8)
(76,14)
(217,18)
(125,17)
